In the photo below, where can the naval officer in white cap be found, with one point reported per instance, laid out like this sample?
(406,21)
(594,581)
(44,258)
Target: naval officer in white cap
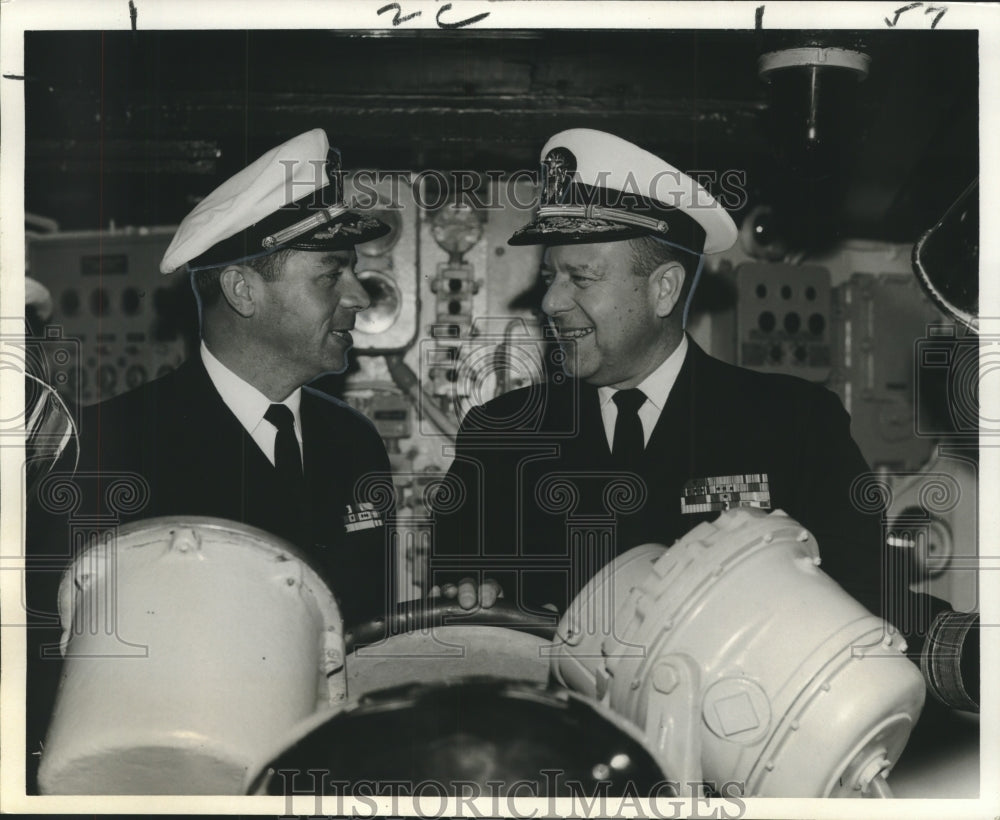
(625,234)
(234,433)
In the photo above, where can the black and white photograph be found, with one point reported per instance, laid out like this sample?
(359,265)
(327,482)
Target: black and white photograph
(499,409)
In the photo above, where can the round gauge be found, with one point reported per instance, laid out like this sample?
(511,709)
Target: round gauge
(456,228)
(386,302)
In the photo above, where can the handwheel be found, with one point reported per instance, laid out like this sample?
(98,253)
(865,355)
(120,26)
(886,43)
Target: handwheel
(423,715)
(430,613)
(435,641)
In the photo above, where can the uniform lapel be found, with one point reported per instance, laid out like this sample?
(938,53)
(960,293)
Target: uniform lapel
(324,452)
(319,440)
(228,467)
(212,427)
(672,438)
(590,446)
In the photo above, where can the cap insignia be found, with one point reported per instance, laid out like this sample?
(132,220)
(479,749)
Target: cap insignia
(558,170)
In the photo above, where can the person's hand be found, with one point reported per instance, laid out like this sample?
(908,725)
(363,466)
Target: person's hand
(468,594)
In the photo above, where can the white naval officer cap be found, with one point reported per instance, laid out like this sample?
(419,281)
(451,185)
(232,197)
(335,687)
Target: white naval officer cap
(597,187)
(291,197)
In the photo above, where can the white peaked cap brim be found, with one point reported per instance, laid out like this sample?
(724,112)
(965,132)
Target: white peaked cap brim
(604,160)
(284,174)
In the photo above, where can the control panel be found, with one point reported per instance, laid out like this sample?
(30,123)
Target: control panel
(783,319)
(879,321)
(457,231)
(130,324)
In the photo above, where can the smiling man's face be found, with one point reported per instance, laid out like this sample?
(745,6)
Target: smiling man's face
(600,306)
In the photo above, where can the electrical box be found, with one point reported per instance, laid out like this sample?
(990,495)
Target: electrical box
(879,322)
(128,323)
(783,319)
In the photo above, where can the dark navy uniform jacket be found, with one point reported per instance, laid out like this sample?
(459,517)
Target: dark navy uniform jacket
(533,471)
(193,457)
(172,447)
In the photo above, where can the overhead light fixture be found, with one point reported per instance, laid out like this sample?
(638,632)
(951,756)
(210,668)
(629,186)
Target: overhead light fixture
(812,92)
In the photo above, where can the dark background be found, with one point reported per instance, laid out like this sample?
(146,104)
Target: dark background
(135,127)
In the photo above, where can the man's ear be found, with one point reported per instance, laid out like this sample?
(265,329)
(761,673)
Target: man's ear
(666,284)
(237,289)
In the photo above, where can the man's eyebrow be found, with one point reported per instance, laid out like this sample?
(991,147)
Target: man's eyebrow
(334,257)
(574,270)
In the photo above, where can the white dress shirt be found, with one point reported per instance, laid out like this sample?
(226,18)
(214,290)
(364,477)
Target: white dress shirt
(249,405)
(657,386)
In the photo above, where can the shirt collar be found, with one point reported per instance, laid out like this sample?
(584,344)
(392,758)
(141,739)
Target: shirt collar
(247,403)
(658,384)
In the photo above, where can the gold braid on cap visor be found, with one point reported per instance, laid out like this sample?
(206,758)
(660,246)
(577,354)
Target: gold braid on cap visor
(599,212)
(304,226)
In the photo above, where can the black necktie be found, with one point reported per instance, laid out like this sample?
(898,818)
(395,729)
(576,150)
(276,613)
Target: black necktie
(287,459)
(628,444)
